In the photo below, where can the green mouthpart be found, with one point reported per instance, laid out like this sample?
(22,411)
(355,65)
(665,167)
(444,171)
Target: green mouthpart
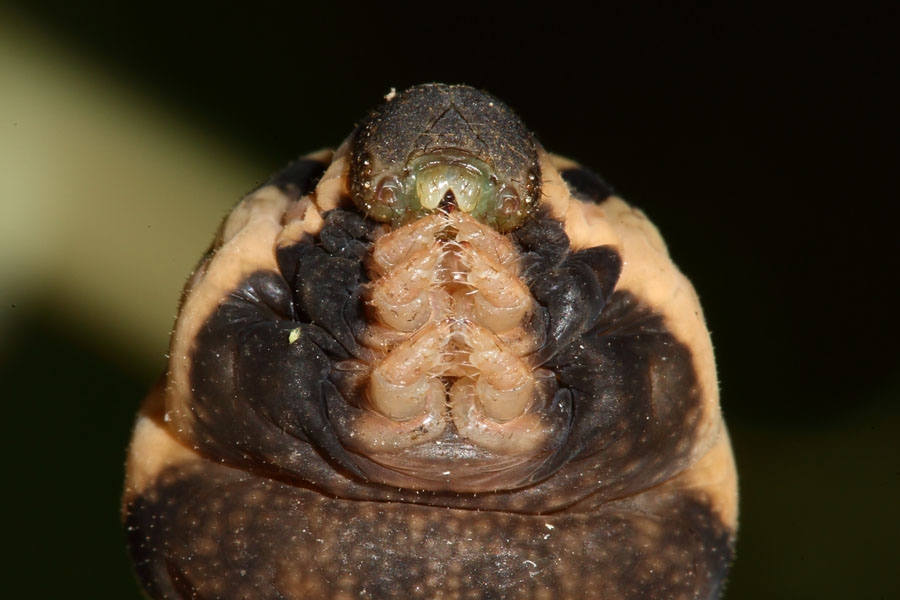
(434,182)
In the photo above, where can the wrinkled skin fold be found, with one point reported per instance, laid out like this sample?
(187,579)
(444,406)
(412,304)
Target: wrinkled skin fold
(432,400)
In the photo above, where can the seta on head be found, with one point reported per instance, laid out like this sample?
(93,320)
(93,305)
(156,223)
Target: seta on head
(437,147)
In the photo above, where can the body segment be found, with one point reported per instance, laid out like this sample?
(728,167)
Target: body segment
(505,390)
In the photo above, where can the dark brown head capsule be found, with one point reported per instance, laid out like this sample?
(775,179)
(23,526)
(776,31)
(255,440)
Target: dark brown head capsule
(435,147)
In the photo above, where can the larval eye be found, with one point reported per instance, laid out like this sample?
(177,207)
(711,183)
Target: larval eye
(389,191)
(449,370)
(509,206)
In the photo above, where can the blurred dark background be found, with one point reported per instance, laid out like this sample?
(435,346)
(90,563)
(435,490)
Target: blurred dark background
(762,141)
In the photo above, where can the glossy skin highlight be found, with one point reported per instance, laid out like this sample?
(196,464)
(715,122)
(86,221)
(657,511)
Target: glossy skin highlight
(430,402)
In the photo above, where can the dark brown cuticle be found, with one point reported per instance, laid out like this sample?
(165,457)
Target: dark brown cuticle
(435,119)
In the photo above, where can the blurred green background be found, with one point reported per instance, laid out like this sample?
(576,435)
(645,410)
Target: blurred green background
(761,141)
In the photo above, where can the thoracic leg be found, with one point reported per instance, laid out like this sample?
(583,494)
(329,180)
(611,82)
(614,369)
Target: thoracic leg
(401,385)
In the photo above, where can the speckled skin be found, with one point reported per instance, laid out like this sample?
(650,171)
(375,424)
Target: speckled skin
(240,483)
